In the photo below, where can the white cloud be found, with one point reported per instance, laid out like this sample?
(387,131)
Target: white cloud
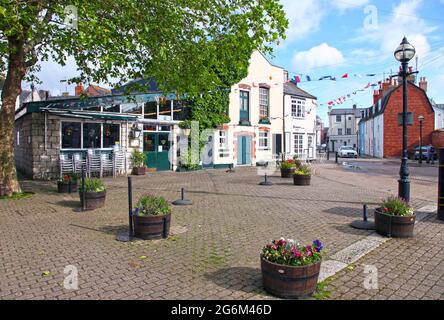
(348,4)
(319,56)
(304,18)
(402,22)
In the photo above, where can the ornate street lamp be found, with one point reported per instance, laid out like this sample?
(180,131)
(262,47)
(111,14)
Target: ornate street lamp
(135,132)
(421,119)
(404,53)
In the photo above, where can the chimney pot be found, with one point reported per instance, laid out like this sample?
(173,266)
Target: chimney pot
(423,83)
(79,89)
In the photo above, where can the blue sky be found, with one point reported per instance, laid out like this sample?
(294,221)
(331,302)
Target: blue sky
(334,37)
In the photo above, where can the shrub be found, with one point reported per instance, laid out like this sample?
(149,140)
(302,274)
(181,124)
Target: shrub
(397,207)
(288,164)
(149,205)
(69,178)
(138,158)
(93,185)
(287,252)
(302,171)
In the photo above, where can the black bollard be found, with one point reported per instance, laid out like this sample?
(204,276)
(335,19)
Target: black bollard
(336,157)
(128,236)
(83,190)
(441,185)
(130,207)
(328,155)
(364,224)
(182,201)
(266,182)
(230,168)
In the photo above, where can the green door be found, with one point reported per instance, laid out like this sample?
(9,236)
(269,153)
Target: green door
(156,147)
(244,150)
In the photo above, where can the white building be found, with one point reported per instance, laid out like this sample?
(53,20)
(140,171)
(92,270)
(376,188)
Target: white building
(439,116)
(343,127)
(300,122)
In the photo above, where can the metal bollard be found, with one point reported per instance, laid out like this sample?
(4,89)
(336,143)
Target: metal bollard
(83,190)
(328,154)
(130,207)
(336,160)
(441,185)
(266,182)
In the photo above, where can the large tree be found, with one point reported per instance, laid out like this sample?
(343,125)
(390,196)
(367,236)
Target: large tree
(187,45)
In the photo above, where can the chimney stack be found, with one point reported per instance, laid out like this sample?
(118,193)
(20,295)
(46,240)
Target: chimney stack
(423,83)
(79,89)
(376,97)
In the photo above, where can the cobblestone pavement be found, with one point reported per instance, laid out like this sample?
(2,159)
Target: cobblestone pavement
(214,250)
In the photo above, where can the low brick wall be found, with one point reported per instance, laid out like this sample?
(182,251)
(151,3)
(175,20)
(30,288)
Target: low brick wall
(438,139)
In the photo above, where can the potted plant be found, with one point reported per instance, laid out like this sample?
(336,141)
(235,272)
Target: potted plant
(95,194)
(152,218)
(302,176)
(395,218)
(67,183)
(287,167)
(291,270)
(138,158)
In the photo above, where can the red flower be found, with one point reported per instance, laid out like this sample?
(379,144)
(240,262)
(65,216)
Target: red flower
(386,210)
(308,247)
(66,178)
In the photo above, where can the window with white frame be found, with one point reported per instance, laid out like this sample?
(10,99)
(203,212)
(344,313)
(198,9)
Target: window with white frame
(297,108)
(264,140)
(264,102)
(298,144)
(224,152)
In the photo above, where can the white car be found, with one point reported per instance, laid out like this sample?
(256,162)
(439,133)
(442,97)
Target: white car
(347,152)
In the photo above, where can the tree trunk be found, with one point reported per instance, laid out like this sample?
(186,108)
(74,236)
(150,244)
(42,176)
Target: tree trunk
(11,90)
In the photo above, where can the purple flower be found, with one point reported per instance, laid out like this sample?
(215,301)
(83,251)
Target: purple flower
(318,245)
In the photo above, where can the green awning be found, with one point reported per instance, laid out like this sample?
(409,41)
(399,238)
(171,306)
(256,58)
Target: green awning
(93,115)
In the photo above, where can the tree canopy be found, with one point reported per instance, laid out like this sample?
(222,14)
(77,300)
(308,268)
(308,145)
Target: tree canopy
(188,46)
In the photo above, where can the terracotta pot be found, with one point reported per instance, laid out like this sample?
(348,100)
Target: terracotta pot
(394,226)
(301,180)
(93,200)
(290,281)
(152,227)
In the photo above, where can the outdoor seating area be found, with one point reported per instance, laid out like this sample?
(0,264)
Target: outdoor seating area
(97,163)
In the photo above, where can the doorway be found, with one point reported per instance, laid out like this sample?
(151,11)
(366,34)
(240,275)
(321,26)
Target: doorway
(156,146)
(243,150)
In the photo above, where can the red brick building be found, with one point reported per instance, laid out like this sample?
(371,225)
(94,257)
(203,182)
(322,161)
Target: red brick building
(381,127)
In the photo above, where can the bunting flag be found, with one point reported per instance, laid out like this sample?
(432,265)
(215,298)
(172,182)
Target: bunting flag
(345,76)
(308,78)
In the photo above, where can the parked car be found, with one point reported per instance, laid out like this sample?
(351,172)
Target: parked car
(425,151)
(347,152)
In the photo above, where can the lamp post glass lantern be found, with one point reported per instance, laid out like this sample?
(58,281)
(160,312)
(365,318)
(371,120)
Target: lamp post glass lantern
(404,53)
(421,119)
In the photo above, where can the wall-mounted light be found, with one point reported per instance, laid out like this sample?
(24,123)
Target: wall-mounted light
(135,132)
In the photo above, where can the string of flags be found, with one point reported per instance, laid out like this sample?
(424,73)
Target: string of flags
(298,77)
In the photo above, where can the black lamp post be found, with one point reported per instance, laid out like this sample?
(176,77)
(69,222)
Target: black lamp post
(421,119)
(404,53)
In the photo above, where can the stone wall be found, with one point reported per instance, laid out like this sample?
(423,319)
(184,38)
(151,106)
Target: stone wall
(23,145)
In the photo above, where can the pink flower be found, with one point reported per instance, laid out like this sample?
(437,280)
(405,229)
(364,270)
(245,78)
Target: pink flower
(296,253)
(281,242)
(308,247)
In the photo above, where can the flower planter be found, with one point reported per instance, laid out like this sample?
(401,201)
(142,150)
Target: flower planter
(301,180)
(139,171)
(93,200)
(394,226)
(152,227)
(287,173)
(290,281)
(63,187)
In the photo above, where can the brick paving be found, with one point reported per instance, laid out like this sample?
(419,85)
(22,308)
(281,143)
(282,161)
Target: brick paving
(214,253)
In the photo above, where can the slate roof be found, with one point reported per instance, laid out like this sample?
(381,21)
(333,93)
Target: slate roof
(291,89)
(347,111)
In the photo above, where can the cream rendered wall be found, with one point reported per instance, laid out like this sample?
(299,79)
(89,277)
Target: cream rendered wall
(260,72)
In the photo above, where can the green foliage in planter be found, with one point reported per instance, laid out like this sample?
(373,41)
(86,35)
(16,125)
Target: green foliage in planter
(289,164)
(397,207)
(138,158)
(93,185)
(302,171)
(152,206)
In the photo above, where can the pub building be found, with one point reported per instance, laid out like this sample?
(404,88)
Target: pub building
(58,136)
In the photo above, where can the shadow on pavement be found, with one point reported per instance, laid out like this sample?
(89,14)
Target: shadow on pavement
(238,278)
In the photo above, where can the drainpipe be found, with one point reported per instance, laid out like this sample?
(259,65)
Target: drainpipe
(283,127)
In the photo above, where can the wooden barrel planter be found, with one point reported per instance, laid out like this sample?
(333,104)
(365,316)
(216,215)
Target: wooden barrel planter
(301,180)
(289,281)
(152,227)
(139,171)
(94,200)
(394,226)
(286,173)
(63,187)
